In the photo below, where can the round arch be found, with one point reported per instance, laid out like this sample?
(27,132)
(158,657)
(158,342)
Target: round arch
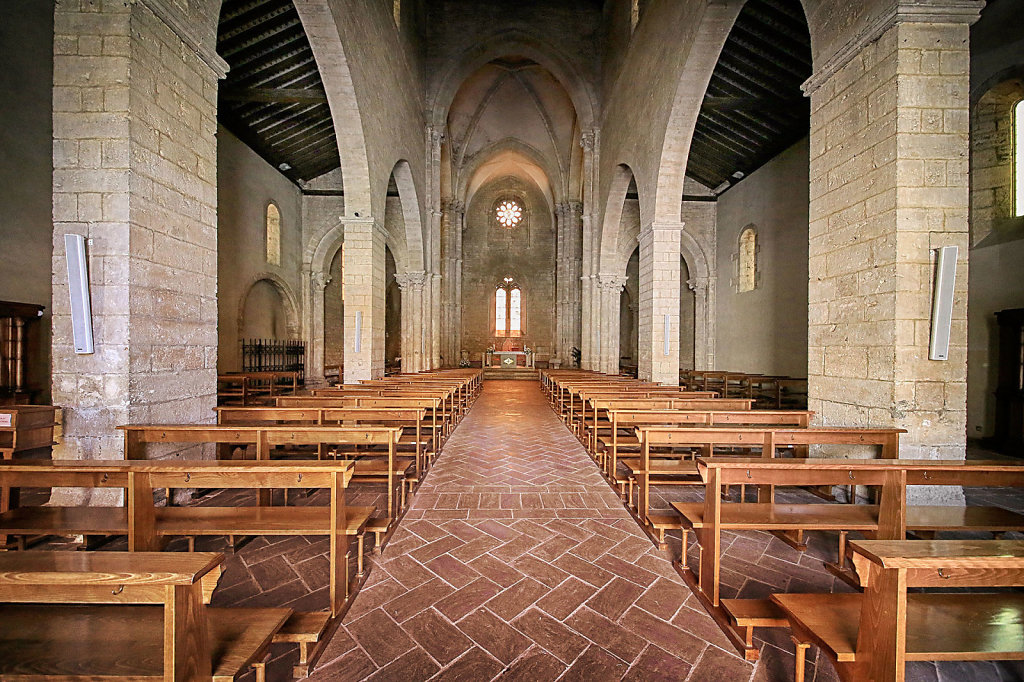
(288,299)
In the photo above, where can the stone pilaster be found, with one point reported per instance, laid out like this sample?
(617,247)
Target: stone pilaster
(659,301)
(363,274)
(589,342)
(889,185)
(135,172)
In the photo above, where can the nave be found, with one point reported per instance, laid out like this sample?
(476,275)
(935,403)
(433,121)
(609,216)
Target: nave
(516,561)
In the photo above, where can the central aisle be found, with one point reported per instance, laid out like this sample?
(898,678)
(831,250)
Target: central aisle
(517,560)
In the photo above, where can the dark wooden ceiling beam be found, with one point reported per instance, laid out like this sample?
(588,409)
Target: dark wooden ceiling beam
(273,95)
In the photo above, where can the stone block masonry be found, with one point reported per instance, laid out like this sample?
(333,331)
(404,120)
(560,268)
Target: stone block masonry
(135,163)
(888,186)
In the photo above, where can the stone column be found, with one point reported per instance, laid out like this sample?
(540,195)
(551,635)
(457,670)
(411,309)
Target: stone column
(567,216)
(659,300)
(363,274)
(413,323)
(889,185)
(451,280)
(313,325)
(611,301)
(433,288)
(135,172)
(589,296)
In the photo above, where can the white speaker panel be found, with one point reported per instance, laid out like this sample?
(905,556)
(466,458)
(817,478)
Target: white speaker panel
(78,285)
(942,303)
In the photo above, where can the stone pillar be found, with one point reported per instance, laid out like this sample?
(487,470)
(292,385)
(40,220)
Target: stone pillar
(659,300)
(610,303)
(451,280)
(135,172)
(314,283)
(889,185)
(433,288)
(363,274)
(567,216)
(589,342)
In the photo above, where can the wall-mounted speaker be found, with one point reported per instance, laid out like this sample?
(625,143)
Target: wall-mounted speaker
(359,331)
(942,303)
(78,285)
(668,328)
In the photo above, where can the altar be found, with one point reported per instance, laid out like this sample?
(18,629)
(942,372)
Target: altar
(507,359)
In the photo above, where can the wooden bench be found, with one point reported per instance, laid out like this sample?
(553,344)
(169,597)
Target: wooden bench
(409,419)
(890,518)
(765,438)
(871,636)
(23,428)
(265,437)
(147,526)
(121,615)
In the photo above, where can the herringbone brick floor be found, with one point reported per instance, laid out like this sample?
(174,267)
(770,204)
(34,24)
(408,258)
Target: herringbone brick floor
(517,562)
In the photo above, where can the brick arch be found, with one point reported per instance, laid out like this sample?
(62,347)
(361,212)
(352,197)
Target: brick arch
(513,42)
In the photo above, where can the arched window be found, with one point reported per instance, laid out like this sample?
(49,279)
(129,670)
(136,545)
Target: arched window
(508,309)
(273,235)
(515,321)
(500,312)
(1018,158)
(747,275)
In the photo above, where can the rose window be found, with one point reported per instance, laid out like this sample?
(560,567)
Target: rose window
(508,213)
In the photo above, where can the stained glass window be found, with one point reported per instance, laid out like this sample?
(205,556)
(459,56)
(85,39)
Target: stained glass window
(500,312)
(508,213)
(514,315)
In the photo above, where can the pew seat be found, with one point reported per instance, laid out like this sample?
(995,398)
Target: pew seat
(72,642)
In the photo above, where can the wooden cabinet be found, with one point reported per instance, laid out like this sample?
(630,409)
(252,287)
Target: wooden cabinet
(19,326)
(1009,428)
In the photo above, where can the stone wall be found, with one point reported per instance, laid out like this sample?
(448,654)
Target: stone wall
(888,184)
(491,252)
(26,176)
(135,160)
(246,184)
(765,330)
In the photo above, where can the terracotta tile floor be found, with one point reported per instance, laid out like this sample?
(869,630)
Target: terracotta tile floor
(517,562)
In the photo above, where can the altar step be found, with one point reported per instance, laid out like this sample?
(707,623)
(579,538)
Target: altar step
(514,374)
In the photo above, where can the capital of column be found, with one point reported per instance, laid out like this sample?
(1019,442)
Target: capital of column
(410,280)
(588,139)
(319,280)
(698,285)
(451,205)
(613,283)
(648,231)
(899,12)
(436,135)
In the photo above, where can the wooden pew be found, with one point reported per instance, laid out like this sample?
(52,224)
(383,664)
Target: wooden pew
(890,518)
(628,416)
(147,526)
(438,422)
(872,636)
(137,616)
(409,419)
(266,437)
(766,438)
